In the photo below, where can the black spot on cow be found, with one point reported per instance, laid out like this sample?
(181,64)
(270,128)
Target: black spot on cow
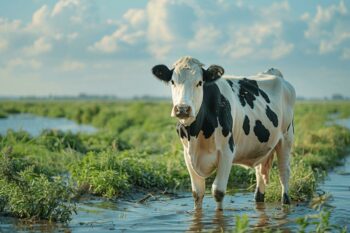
(261,132)
(215,109)
(224,115)
(272,116)
(230,83)
(264,95)
(231,143)
(248,91)
(246,125)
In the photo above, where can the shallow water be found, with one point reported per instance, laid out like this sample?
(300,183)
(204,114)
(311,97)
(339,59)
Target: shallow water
(174,213)
(170,214)
(34,125)
(337,183)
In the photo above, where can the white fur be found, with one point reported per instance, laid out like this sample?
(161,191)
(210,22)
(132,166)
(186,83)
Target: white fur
(185,90)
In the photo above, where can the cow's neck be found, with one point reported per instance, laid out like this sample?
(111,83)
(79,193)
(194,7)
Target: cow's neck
(206,119)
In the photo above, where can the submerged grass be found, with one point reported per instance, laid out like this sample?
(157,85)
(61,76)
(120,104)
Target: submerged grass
(137,147)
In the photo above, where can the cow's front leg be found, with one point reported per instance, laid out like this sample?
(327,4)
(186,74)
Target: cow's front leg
(222,174)
(197,182)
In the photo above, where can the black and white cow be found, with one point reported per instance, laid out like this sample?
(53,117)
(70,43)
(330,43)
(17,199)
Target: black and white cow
(230,120)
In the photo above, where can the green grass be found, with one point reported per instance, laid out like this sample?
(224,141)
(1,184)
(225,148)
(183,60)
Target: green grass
(137,148)
(26,191)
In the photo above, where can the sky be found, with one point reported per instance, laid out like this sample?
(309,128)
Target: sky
(106,47)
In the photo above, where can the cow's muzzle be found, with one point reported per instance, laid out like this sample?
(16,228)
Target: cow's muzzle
(182,111)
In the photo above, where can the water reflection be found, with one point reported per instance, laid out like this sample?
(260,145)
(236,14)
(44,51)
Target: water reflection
(218,223)
(263,218)
(260,216)
(197,224)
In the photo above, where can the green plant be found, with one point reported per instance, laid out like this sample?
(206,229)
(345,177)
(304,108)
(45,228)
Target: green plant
(242,224)
(25,193)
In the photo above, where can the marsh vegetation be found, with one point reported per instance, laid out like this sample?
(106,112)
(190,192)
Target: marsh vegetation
(136,149)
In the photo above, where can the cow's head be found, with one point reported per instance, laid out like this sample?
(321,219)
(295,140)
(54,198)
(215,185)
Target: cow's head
(187,79)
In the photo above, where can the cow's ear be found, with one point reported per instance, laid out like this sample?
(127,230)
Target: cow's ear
(213,73)
(162,72)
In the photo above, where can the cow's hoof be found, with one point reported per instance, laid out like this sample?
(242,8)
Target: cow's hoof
(259,197)
(218,195)
(285,199)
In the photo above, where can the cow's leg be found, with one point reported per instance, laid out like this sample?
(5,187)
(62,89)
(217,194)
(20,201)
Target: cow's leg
(283,150)
(262,178)
(260,186)
(197,182)
(221,179)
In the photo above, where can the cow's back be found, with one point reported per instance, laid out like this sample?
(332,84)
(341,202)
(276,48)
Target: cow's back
(262,110)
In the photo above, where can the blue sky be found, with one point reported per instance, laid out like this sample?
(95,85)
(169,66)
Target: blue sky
(106,47)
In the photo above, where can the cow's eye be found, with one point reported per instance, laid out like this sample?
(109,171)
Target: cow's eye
(199,84)
(172,82)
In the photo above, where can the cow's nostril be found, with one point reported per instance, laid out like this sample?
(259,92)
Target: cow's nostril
(182,111)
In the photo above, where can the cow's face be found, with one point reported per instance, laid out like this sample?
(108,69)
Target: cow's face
(187,79)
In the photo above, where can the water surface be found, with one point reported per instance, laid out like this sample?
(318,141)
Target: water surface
(174,213)
(34,125)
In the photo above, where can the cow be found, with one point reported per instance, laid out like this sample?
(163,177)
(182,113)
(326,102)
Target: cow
(230,120)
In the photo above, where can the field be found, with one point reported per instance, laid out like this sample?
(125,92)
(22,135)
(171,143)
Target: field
(137,150)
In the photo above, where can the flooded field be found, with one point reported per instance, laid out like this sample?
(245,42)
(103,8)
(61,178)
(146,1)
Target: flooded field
(174,213)
(154,212)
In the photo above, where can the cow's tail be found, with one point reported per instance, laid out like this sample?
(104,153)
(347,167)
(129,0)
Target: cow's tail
(274,71)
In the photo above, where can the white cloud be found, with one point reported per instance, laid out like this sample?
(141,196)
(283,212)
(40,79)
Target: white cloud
(276,9)
(108,44)
(62,4)
(24,63)
(40,46)
(7,26)
(71,65)
(158,30)
(329,27)
(40,16)
(323,15)
(280,49)
(329,45)
(135,16)
(72,36)
(3,44)
(346,54)
(129,33)
(250,41)
(204,38)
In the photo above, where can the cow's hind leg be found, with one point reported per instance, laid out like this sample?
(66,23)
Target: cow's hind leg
(283,150)
(198,184)
(222,174)
(262,178)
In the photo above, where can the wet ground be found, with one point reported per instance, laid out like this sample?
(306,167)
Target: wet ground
(36,124)
(174,213)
